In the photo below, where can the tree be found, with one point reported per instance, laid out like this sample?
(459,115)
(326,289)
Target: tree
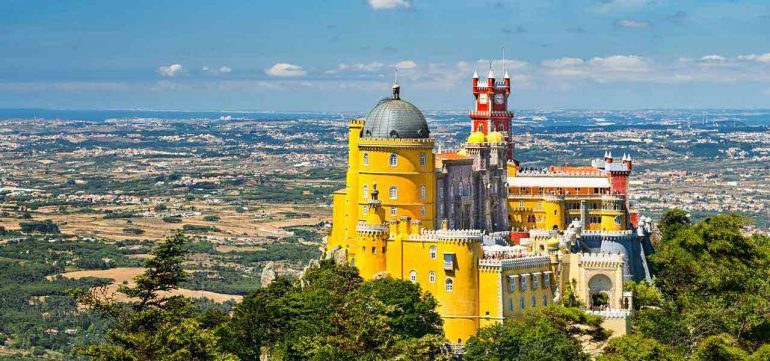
(551,333)
(638,348)
(331,313)
(719,348)
(153,326)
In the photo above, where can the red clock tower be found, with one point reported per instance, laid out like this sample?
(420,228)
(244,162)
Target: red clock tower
(491,109)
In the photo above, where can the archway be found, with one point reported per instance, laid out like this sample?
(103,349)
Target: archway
(600,291)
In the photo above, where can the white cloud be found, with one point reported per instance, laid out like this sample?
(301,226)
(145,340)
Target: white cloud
(405,64)
(285,70)
(633,24)
(620,63)
(562,62)
(762,58)
(373,66)
(171,70)
(389,4)
(712,59)
(220,71)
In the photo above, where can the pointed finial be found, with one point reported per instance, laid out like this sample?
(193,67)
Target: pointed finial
(610,154)
(491,74)
(475,74)
(396,88)
(605,154)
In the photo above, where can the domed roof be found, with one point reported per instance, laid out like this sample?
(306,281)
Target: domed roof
(477,137)
(495,137)
(395,118)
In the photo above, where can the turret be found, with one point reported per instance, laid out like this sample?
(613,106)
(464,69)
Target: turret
(507,81)
(475,79)
(628,162)
(491,77)
(608,157)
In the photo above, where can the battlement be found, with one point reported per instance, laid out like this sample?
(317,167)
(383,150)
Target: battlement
(364,228)
(375,142)
(611,260)
(356,123)
(515,261)
(531,172)
(611,313)
(608,234)
(461,235)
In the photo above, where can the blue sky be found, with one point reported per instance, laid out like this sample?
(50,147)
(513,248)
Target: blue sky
(340,55)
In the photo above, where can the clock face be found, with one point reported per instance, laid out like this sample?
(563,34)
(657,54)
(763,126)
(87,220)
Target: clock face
(483,98)
(499,99)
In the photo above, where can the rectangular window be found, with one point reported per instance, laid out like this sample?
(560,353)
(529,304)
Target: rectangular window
(546,281)
(523,283)
(422,159)
(393,211)
(535,281)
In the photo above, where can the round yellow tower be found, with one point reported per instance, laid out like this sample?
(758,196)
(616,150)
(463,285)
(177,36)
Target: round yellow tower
(396,152)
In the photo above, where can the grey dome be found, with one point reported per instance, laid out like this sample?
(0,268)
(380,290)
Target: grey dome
(395,118)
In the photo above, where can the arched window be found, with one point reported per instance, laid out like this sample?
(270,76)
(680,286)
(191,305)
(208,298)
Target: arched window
(423,159)
(545,300)
(433,252)
(413,276)
(480,128)
(534,302)
(393,159)
(522,306)
(423,193)
(366,158)
(432,277)
(510,304)
(393,192)
(365,192)
(365,210)
(422,211)
(449,285)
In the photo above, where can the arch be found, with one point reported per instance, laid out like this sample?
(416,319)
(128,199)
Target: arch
(448,285)
(366,158)
(432,277)
(413,276)
(423,192)
(600,291)
(433,251)
(365,192)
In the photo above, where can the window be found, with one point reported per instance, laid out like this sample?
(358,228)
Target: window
(448,285)
(522,306)
(432,277)
(374,250)
(480,128)
(545,300)
(393,159)
(422,159)
(523,283)
(510,304)
(618,220)
(423,193)
(433,252)
(365,211)
(422,211)
(393,211)
(413,276)
(546,281)
(511,284)
(534,302)
(366,158)
(393,192)
(521,204)
(365,192)
(535,281)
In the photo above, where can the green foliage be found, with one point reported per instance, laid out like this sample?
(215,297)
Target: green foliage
(719,348)
(332,313)
(717,279)
(543,334)
(154,327)
(133,230)
(211,218)
(645,294)
(198,228)
(173,219)
(45,227)
(638,348)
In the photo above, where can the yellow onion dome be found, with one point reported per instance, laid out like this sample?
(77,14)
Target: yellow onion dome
(553,243)
(496,137)
(477,138)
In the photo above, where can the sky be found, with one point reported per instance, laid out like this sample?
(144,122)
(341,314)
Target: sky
(341,55)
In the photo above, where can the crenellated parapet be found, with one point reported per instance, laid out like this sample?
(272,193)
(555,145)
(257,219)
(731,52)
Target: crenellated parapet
(448,236)
(523,260)
(601,260)
(385,143)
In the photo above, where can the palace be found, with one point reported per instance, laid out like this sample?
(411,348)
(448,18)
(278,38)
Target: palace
(488,238)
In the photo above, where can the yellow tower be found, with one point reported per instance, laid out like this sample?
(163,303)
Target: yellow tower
(372,238)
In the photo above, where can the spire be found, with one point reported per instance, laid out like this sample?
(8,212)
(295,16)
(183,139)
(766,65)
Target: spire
(505,66)
(491,73)
(396,87)
(609,154)
(475,74)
